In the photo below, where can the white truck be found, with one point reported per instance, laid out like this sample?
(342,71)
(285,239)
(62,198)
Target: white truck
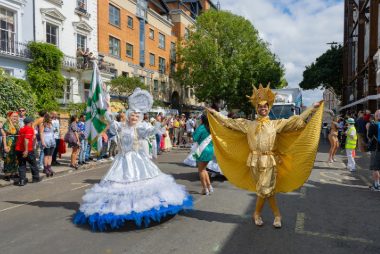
(288,102)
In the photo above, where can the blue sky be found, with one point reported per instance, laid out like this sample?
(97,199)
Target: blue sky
(297,31)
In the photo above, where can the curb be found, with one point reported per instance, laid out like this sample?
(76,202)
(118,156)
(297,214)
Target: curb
(65,171)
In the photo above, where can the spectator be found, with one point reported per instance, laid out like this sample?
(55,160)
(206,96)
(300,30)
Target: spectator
(57,136)
(9,132)
(182,129)
(48,143)
(82,139)
(22,115)
(190,126)
(361,132)
(86,54)
(158,126)
(25,152)
(351,139)
(73,141)
(112,137)
(176,126)
(374,148)
(80,58)
(36,126)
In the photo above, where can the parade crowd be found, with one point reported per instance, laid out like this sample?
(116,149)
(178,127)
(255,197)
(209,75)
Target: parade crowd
(357,130)
(46,143)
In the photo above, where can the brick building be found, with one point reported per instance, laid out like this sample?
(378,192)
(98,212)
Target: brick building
(360,60)
(139,38)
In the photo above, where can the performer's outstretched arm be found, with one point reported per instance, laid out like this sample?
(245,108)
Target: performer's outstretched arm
(239,124)
(295,122)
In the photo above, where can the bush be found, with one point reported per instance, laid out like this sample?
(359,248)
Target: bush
(44,74)
(15,93)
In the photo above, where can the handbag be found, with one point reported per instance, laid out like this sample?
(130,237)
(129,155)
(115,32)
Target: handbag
(70,138)
(62,147)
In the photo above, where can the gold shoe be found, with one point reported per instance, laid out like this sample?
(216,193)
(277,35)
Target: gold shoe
(277,222)
(258,220)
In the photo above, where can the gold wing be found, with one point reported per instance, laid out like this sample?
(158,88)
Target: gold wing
(297,154)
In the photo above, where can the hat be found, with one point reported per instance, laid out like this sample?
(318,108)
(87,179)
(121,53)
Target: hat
(262,96)
(28,119)
(350,121)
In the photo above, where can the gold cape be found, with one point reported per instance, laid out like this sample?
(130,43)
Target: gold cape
(297,151)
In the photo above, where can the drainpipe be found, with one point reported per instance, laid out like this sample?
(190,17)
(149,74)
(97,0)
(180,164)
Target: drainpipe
(34,20)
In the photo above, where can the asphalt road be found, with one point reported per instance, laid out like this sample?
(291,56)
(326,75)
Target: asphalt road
(333,213)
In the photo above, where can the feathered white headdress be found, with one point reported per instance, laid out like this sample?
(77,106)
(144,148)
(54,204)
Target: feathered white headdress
(140,101)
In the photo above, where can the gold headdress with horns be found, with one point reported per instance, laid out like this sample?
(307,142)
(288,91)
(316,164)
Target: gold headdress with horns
(262,96)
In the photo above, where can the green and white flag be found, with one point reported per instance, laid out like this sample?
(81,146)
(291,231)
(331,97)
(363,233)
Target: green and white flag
(96,112)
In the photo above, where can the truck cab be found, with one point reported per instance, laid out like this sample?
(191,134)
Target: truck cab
(288,102)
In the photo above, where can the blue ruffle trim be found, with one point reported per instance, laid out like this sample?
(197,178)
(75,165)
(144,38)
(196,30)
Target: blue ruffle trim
(111,221)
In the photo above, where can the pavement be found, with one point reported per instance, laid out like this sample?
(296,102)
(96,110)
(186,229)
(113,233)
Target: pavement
(334,212)
(61,169)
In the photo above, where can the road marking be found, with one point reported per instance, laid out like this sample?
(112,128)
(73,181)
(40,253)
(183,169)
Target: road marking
(80,187)
(344,184)
(300,229)
(303,192)
(16,206)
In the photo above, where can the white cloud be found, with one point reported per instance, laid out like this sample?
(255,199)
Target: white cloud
(297,31)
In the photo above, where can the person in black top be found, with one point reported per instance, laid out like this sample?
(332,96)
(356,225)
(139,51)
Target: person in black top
(374,148)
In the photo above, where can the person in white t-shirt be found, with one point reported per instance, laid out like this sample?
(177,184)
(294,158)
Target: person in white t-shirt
(190,124)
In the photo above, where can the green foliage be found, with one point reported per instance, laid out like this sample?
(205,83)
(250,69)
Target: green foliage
(158,103)
(222,57)
(326,71)
(76,108)
(15,93)
(44,74)
(124,86)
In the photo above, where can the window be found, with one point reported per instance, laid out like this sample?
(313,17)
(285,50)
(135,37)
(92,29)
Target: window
(161,65)
(155,85)
(129,50)
(51,34)
(151,34)
(141,9)
(163,86)
(124,74)
(142,79)
(86,91)
(81,42)
(68,90)
(130,22)
(152,59)
(7,30)
(161,41)
(187,32)
(114,46)
(114,15)
(172,51)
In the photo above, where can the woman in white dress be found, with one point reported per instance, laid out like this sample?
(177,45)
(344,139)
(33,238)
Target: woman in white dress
(134,189)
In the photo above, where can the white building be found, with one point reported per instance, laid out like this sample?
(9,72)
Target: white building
(70,25)
(16,30)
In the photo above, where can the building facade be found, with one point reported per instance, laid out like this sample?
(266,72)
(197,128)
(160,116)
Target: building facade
(360,59)
(16,23)
(139,38)
(70,25)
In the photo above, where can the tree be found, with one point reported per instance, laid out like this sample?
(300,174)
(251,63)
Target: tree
(123,86)
(326,71)
(44,74)
(222,57)
(15,93)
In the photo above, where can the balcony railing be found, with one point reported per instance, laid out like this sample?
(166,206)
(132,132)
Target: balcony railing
(80,64)
(14,48)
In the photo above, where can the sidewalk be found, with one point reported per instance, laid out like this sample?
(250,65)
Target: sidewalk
(361,159)
(62,169)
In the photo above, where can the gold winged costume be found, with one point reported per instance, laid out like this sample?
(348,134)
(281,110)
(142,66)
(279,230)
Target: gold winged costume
(266,156)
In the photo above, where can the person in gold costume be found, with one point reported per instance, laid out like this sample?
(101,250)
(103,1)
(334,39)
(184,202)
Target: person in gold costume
(266,156)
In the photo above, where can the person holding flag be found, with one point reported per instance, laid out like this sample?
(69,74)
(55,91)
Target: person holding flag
(134,189)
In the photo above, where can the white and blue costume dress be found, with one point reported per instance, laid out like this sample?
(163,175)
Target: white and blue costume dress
(134,188)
